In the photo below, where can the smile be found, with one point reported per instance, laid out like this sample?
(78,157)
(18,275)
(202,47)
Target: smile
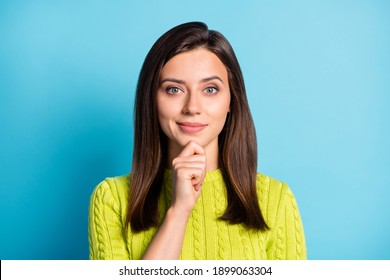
(191,127)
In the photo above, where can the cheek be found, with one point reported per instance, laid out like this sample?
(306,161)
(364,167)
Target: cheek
(220,109)
(161,113)
(161,105)
(166,113)
(163,117)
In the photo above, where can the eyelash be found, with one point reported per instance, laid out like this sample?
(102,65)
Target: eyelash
(212,93)
(169,90)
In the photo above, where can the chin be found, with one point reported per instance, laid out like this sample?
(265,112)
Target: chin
(184,141)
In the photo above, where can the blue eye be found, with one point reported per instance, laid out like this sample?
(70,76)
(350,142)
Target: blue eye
(173,90)
(211,90)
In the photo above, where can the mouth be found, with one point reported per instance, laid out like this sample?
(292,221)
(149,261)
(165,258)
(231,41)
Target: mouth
(191,127)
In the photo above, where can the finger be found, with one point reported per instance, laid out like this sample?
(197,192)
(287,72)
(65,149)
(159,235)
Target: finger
(189,165)
(197,176)
(189,159)
(197,187)
(194,173)
(192,148)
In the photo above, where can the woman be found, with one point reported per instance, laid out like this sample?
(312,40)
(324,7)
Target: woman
(194,191)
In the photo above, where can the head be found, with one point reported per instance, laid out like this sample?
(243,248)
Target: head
(236,138)
(193,100)
(182,39)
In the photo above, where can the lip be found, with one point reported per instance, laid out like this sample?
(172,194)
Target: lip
(191,127)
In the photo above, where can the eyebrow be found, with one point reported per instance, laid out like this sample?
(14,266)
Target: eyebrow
(183,82)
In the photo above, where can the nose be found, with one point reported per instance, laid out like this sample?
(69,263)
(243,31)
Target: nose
(192,104)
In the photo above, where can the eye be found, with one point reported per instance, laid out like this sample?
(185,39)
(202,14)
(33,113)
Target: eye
(173,90)
(211,90)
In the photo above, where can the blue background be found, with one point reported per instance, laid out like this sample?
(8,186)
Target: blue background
(317,77)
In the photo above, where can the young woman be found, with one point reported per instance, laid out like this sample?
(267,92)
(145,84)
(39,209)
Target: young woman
(194,191)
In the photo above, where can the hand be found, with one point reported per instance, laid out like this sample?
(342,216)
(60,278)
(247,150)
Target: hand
(189,170)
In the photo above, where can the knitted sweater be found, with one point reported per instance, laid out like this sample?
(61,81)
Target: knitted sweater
(206,236)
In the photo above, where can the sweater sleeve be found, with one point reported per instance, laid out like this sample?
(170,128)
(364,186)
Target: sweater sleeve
(287,235)
(105,228)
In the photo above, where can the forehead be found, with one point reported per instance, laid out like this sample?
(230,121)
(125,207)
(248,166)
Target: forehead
(194,65)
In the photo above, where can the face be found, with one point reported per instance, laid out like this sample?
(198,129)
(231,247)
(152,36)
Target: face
(193,99)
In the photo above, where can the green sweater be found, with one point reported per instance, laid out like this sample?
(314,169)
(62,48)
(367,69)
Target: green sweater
(206,236)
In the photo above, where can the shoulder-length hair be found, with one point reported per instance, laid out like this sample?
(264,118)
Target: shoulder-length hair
(237,140)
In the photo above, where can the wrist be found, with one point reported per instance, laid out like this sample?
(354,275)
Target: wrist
(178,213)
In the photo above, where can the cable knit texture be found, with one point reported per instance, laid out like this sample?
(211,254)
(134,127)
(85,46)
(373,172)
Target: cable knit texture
(206,236)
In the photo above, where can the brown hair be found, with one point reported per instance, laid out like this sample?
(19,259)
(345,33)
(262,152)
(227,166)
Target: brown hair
(237,140)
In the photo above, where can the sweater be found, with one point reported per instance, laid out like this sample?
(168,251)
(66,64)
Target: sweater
(206,237)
